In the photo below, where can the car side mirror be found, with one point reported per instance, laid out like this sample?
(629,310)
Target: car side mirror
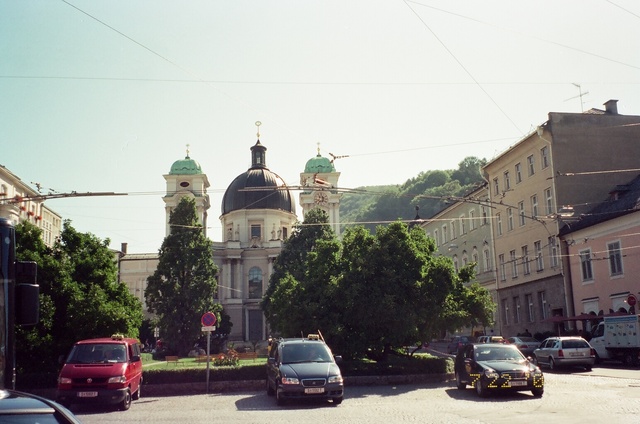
(337,358)
(135,358)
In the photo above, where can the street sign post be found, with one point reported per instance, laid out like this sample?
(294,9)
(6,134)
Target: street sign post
(208,321)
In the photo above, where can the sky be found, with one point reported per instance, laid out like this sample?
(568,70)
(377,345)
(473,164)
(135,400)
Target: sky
(104,95)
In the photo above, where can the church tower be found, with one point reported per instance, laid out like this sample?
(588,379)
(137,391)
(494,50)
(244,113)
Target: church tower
(320,182)
(185,179)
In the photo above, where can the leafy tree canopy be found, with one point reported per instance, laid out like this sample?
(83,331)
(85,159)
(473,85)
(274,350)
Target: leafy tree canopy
(80,296)
(184,284)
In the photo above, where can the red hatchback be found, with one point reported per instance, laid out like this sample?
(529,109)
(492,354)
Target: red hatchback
(107,370)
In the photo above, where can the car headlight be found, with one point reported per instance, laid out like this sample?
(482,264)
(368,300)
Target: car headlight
(119,379)
(335,379)
(490,373)
(290,380)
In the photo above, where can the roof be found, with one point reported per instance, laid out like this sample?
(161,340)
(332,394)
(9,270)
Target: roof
(186,166)
(623,199)
(258,188)
(319,165)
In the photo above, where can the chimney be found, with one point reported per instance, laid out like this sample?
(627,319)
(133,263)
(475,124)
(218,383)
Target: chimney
(611,107)
(123,248)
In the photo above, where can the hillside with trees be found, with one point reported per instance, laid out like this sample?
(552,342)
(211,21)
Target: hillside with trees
(429,191)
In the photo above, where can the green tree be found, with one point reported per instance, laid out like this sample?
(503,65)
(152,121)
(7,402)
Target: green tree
(289,298)
(80,296)
(184,284)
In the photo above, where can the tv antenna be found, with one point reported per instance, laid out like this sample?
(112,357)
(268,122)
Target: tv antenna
(580,94)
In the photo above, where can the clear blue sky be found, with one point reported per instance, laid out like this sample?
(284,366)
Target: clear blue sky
(104,95)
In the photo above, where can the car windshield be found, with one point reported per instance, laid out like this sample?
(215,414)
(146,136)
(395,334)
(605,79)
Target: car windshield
(498,353)
(305,352)
(528,340)
(97,353)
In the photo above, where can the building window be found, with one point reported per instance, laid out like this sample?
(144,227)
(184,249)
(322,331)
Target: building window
(435,237)
(531,165)
(514,264)
(505,310)
(526,268)
(544,157)
(496,187)
(615,258)
(553,252)
(474,258)
(539,259)
(444,234)
(507,181)
(472,220)
(487,260)
(530,312)
(453,230)
(521,213)
(503,268)
(456,265)
(465,258)
(463,229)
(543,305)
(499,224)
(518,173)
(255,283)
(285,233)
(509,219)
(549,201)
(585,265)
(485,216)
(516,309)
(256,231)
(534,206)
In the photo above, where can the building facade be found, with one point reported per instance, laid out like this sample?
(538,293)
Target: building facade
(565,165)
(19,202)
(603,249)
(462,232)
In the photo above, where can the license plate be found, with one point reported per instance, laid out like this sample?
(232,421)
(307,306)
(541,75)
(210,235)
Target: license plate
(517,383)
(87,394)
(314,390)
(576,354)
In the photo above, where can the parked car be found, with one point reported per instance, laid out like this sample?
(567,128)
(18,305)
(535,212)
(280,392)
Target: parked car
(303,368)
(565,351)
(457,342)
(497,367)
(18,407)
(490,339)
(104,370)
(526,344)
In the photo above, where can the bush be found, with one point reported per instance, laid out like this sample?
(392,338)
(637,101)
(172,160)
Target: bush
(191,375)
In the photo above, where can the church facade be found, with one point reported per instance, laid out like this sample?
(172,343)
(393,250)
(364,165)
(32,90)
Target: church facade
(258,213)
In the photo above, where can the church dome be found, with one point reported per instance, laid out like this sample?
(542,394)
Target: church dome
(258,188)
(186,166)
(319,165)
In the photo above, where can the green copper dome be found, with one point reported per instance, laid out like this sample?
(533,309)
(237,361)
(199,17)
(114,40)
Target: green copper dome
(186,166)
(319,165)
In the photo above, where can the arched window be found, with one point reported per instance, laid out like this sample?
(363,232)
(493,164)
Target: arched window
(255,283)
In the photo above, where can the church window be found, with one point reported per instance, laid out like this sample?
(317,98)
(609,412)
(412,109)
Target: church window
(255,283)
(256,232)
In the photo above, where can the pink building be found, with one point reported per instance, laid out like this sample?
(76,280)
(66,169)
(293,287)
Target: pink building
(603,249)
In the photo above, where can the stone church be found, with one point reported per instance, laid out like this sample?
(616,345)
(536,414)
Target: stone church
(258,213)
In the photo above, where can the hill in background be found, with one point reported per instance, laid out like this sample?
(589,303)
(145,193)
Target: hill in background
(377,205)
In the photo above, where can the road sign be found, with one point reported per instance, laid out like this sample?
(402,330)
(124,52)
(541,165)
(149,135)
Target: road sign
(209,328)
(632,300)
(208,319)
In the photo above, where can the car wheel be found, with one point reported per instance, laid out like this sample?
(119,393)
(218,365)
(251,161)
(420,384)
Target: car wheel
(537,392)
(628,359)
(461,384)
(126,402)
(279,398)
(136,395)
(481,390)
(337,401)
(587,367)
(598,360)
(552,363)
(270,390)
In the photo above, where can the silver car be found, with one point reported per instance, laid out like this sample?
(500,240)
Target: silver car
(565,351)
(525,344)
